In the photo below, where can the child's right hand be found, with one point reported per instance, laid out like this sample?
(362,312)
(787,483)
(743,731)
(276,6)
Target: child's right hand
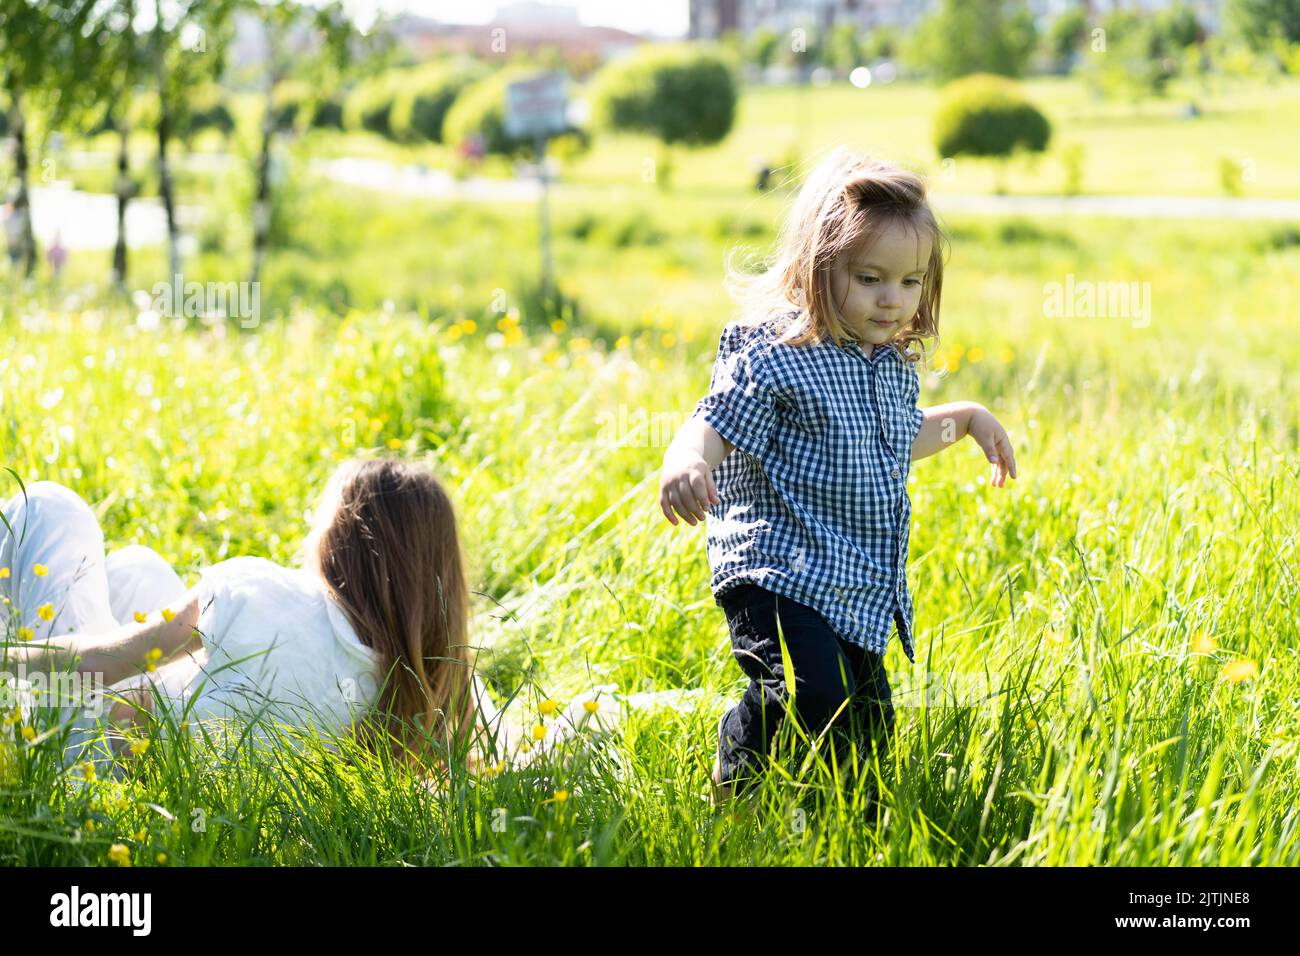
(686,487)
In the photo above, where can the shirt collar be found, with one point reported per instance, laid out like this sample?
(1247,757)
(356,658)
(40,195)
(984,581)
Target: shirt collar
(851,345)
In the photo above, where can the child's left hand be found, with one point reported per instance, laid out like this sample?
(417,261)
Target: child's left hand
(993,438)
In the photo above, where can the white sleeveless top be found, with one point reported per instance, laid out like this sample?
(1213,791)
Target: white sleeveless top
(278,646)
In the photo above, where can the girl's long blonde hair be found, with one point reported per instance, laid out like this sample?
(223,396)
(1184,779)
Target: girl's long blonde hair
(385,544)
(846,199)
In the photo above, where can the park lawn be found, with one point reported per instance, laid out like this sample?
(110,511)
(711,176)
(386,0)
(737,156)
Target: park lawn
(1106,657)
(1144,148)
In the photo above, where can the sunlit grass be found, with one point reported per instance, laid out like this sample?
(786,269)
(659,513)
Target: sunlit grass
(1126,611)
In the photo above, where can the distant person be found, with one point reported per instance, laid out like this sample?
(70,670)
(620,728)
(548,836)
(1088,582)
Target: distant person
(57,255)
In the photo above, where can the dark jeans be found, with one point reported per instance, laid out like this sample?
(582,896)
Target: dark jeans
(827,671)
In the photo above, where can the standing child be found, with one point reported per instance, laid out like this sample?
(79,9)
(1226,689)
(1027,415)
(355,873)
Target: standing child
(799,456)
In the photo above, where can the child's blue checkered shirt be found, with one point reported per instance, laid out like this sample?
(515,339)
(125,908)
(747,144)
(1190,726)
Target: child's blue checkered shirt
(814,502)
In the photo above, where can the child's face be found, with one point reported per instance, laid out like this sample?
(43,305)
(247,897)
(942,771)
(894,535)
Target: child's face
(877,286)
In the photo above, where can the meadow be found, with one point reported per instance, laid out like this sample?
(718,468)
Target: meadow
(1107,668)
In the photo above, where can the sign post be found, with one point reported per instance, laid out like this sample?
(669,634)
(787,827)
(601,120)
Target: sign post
(536,108)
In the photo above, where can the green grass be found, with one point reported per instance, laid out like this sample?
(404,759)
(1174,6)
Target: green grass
(1159,482)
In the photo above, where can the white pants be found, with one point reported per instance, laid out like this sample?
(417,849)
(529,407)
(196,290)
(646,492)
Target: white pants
(88,592)
(82,591)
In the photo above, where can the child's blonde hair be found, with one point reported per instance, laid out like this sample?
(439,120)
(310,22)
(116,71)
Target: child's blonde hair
(846,199)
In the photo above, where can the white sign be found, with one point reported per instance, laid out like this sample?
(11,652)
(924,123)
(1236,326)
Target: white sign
(537,106)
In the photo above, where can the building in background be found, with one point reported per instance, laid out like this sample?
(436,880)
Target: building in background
(709,19)
(524,27)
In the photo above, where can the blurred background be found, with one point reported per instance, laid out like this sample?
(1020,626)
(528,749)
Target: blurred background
(344,156)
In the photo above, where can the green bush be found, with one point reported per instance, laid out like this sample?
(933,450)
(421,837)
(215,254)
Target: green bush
(424,96)
(679,93)
(205,109)
(295,100)
(370,105)
(328,114)
(987,115)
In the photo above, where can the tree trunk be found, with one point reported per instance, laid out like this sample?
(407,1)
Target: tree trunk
(22,201)
(123,197)
(164,135)
(261,203)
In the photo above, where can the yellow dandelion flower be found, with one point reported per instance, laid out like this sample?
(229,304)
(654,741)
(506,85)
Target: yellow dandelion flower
(469,326)
(548,707)
(161,859)
(25,634)
(539,732)
(120,854)
(622,342)
(139,747)
(590,706)
(1202,643)
(29,733)
(1240,670)
(90,826)
(975,355)
(40,570)
(668,340)
(454,333)
(139,836)
(525,746)
(560,796)
(394,443)
(1006,354)
(579,344)
(45,612)
(140,617)
(153,655)
(558,326)
(376,424)
(168,614)
(956,351)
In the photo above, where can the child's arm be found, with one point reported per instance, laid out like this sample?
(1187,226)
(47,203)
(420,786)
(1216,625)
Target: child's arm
(686,483)
(945,425)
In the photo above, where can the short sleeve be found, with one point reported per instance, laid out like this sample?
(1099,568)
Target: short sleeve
(740,405)
(223,588)
(914,399)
